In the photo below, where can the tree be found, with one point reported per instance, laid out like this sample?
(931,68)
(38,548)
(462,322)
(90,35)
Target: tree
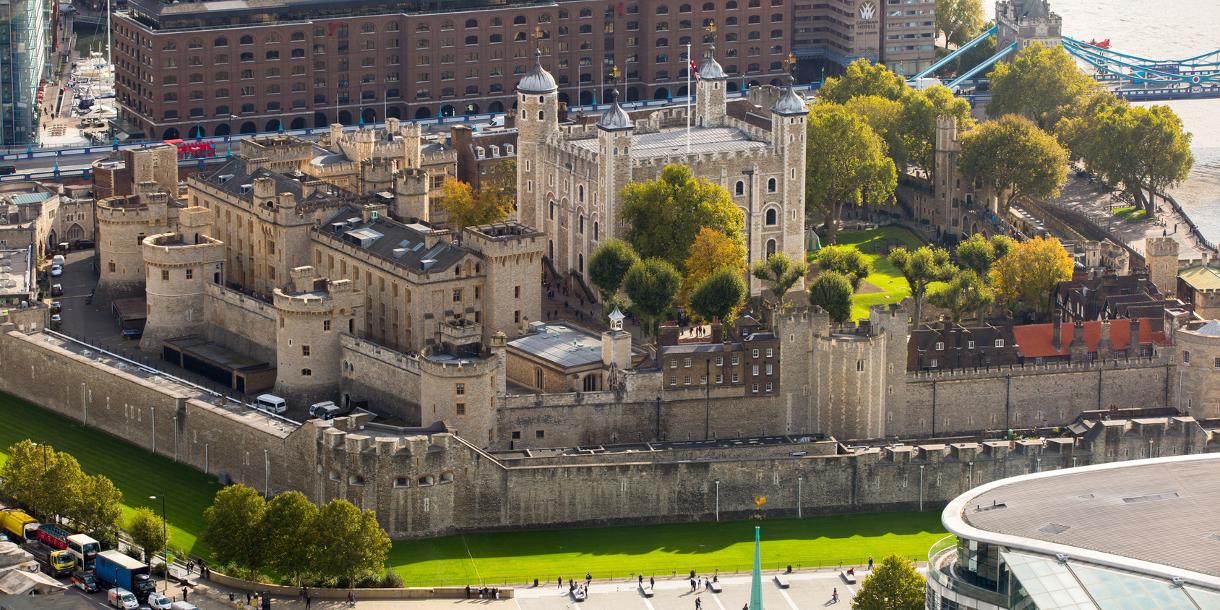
(964,292)
(501,179)
(1011,155)
(978,254)
(847,164)
(663,216)
(97,510)
(1041,83)
(46,481)
(288,527)
(846,260)
(1142,148)
(1029,273)
(921,267)
(862,77)
(711,251)
(882,115)
(651,285)
(147,530)
(893,585)
(234,519)
(917,122)
(469,208)
(832,292)
(609,264)
(959,20)
(349,543)
(782,273)
(719,296)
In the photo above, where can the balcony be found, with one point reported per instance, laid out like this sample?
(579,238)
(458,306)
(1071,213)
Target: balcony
(942,561)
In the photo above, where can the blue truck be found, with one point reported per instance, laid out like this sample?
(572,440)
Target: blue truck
(116,570)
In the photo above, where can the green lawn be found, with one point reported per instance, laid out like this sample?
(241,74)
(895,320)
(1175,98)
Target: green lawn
(874,243)
(1131,213)
(507,556)
(664,549)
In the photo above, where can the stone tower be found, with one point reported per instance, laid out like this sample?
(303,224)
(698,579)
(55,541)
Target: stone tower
(122,224)
(711,107)
(614,131)
(376,175)
(178,266)
(512,254)
(411,201)
(1026,22)
(537,121)
(945,155)
(616,343)
(788,117)
(311,315)
(1161,256)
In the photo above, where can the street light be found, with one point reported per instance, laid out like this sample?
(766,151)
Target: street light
(164,534)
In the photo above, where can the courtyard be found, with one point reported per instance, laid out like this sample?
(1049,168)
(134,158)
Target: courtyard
(885,284)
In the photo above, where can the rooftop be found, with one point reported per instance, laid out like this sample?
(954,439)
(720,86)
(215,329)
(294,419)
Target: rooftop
(1037,340)
(406,245)
(15,273)
(670,142)
(1151,516)
(564,345)
(1201,277)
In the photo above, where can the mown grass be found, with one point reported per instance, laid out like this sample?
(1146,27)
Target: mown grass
(874,244)
(502,556)
(1130,213)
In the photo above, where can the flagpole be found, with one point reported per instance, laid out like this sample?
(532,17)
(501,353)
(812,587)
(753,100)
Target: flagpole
(689,62)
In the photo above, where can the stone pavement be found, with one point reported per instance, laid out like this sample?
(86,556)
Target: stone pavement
(1094,202)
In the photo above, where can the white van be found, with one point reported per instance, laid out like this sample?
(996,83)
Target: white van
(182,606)
(324,410)
(58,259)
(272,403)
(122,598)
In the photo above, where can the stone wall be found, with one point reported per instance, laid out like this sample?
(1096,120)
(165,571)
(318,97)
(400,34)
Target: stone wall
(239,322)
(387,379)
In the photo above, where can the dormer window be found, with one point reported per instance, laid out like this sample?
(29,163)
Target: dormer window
(940,346)
(999,343)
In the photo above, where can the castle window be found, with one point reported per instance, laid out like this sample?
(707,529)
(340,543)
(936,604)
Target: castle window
(770,247)
(446,477)
(459,389)
(1217,363)
(754,370)
(940,346)
(999,343)
(326,325)
(859,366)
(426,480)
(401,482)
(970,345)
(719,360)
(768,386)
(595,231)
(673,364)
(306,373)
(1185,353)
(754,353)
(539,434)
(771,217)
(304,350)
(516,435)
(740,189)
(771,185)
(736,359)
(164,275)
(461,408)
(769,369)
(457,295)
(754,388)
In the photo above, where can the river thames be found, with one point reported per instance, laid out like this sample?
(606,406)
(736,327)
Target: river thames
(1164,29)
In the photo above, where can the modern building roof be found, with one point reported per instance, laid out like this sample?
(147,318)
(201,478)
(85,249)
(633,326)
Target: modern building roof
(29,198)
(562,345)
(1154,517)
(537,80)
(1038,340)
(1201,277)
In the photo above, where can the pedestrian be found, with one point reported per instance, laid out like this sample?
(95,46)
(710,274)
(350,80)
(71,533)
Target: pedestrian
(834,596)
(652,582)
(351,597)
(692,585)
(467,591)
(870,563)
(560,585)
(641,581)
(184,592)
(308,601)
(588,578)
(698,604)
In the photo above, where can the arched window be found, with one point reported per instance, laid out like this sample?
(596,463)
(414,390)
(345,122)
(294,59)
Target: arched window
(662,10)
(770,247)
(472,23)
(247,39)
(220,42)
(771,185)
(740,189)
(771,217)
(580,263)
(580,192)
(595,230)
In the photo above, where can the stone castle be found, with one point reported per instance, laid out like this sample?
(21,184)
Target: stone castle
(318,271)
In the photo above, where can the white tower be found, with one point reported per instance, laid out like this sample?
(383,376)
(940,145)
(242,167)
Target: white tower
(537,120)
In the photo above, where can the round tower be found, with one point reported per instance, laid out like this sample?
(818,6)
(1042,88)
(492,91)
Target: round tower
(537,119)
(122,224)
(311,315)
(711,102)
(178,267)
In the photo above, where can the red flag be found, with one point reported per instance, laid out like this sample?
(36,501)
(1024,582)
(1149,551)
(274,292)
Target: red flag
(694,70)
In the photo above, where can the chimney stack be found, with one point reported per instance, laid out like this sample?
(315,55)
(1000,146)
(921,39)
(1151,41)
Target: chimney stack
(1057,334)
(1133,350)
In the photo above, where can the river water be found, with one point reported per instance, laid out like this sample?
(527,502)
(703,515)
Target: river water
(1164,29)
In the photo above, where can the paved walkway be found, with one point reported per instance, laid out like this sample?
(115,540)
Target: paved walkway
(1091,200)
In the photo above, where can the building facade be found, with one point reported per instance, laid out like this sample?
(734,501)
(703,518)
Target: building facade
(211,68)
(25,52)
(900,35)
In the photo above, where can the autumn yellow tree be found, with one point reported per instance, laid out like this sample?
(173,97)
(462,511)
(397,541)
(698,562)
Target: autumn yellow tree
(710,251)
(467,207)
(1029,272)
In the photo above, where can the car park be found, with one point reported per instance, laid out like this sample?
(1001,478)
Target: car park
(324,410)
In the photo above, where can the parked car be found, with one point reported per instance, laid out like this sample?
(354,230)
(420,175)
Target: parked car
(56,306)
(57,290)
(56,318)
(324,410)
(57,270)
(84,580)
(6,170)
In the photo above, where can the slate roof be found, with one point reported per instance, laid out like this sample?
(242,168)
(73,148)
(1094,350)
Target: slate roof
(393,241)
(562,345)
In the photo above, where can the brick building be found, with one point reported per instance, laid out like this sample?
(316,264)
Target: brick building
(899,33)
(215,68)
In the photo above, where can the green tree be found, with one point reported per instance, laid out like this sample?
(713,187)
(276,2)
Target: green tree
(964,292)
(1042,84)
(921,267)
(846,260)
(781,273)
(882,115)
(501,180)
(469,208)
(847,165)
(1011,155)
(972,57)
(1029,273)
(349,543)
(288,527)
(832,292)
(98,507)
(893,585)
(711,251)
(46,481)
(959,20)
(978,253)
(609,264)
(233,523)
(651,284)
(719,296)
(917,122)
(663,216)
(862,77)
(147,531)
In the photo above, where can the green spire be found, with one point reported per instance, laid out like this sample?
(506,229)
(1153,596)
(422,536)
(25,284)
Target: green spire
(756,580)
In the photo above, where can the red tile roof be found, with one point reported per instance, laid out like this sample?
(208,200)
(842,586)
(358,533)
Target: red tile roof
(1038,340)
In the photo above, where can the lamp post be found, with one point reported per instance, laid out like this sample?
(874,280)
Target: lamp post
(164,534)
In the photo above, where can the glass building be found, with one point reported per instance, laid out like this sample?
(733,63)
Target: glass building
(25,46)
(1120,536)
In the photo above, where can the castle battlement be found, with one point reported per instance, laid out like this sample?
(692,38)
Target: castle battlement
(1161,359)
(396,359)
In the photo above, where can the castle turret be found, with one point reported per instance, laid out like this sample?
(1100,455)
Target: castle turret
(537,120)
(616,343)
(311,313)
(512,255)
(122,224)
(178,266)
(711,107)
(1161,256)
(788,117)
(614,131)
(411,202)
